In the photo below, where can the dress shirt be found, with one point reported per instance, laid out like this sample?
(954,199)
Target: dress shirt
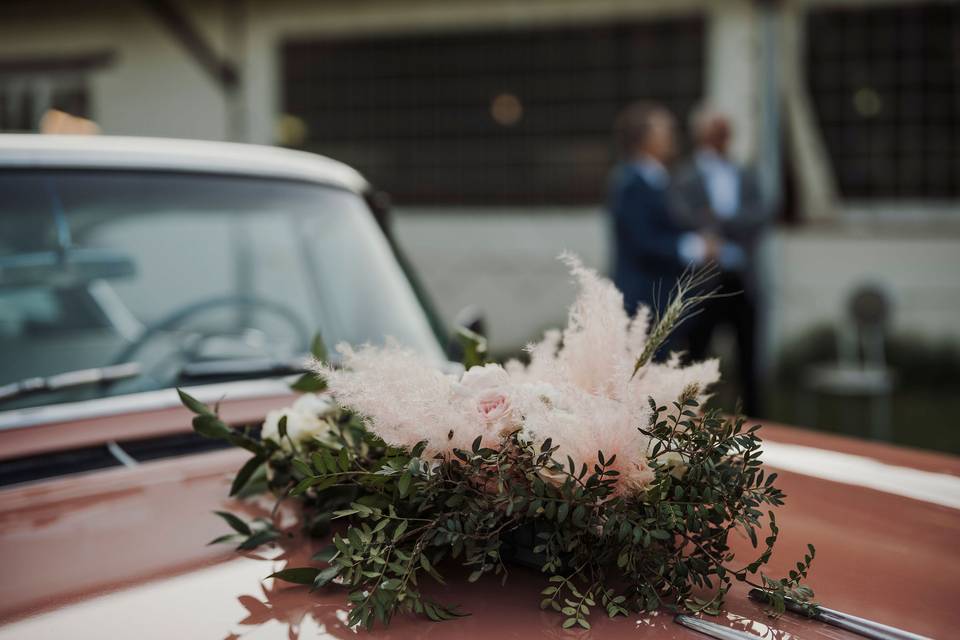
(722,182)
(653,172)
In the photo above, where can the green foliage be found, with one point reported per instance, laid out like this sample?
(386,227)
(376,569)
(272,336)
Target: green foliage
(208,424)
(473,347)
(600,547)
(318,348)
(312,382)
(250,535)
(309,383)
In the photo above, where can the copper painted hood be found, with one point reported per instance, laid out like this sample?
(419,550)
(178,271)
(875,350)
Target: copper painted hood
(120,554)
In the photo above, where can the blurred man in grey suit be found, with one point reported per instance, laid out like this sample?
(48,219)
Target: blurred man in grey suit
(718,199)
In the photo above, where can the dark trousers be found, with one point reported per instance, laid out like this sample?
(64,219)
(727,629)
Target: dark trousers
(736,309)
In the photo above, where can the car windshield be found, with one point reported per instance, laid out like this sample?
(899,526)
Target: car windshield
(100,268)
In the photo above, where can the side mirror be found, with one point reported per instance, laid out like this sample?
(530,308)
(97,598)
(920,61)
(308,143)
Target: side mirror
(468,344)
(472,317)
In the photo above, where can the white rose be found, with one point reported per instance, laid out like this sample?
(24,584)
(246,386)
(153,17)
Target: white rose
(304,427)
(314,404)
(271,425)
(675,462)
(304,422)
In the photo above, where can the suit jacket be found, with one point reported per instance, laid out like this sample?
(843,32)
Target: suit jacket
(691,211)
(646,263)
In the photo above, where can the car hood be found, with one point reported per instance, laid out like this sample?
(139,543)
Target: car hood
(120,554)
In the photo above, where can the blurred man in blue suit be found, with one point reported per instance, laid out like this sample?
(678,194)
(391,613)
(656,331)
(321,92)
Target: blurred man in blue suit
(650,250)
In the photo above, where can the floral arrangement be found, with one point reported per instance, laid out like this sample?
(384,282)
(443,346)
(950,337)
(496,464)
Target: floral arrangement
(594,463)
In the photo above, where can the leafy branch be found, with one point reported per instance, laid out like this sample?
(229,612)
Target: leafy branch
(395,517)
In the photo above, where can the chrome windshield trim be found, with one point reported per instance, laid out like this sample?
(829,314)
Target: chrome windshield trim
(139,402)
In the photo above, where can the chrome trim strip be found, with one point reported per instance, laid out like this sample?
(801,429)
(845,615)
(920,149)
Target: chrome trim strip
(863,626)
(120,455)
(849,622)
(712,629)
(139,402)
(858,470)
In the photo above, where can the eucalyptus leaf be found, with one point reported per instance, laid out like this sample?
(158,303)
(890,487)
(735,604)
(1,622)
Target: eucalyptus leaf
(318,348)
(309,383)
(235,523)
(297,575)
(257,539)
(243,476)
(210,426)
(324,576)
(193,404)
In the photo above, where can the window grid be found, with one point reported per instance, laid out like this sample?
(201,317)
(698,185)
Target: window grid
(885,84)
(416,113)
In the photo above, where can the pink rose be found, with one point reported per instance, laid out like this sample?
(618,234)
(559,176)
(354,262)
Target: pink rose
(495,409)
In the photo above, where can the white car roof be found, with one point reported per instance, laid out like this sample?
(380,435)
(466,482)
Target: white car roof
(169,154)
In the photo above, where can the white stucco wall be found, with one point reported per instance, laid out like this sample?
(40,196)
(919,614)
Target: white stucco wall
(504,262)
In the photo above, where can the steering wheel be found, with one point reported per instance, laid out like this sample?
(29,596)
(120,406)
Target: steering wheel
(180,316)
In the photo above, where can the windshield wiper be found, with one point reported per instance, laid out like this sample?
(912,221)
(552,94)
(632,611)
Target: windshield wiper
(243,367)
(69,380)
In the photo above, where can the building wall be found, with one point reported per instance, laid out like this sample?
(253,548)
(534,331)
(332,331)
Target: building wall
(502,259)
(151,88)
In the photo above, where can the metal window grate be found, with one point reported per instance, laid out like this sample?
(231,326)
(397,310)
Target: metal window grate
(885,83)
(487,117)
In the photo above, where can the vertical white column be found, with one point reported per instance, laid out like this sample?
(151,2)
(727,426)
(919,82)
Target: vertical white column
(261,86)
(731,71)
(816,187)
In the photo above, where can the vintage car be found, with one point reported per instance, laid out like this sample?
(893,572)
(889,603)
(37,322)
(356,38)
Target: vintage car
(129,267)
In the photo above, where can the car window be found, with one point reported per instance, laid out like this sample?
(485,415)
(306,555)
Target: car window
(165,268)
